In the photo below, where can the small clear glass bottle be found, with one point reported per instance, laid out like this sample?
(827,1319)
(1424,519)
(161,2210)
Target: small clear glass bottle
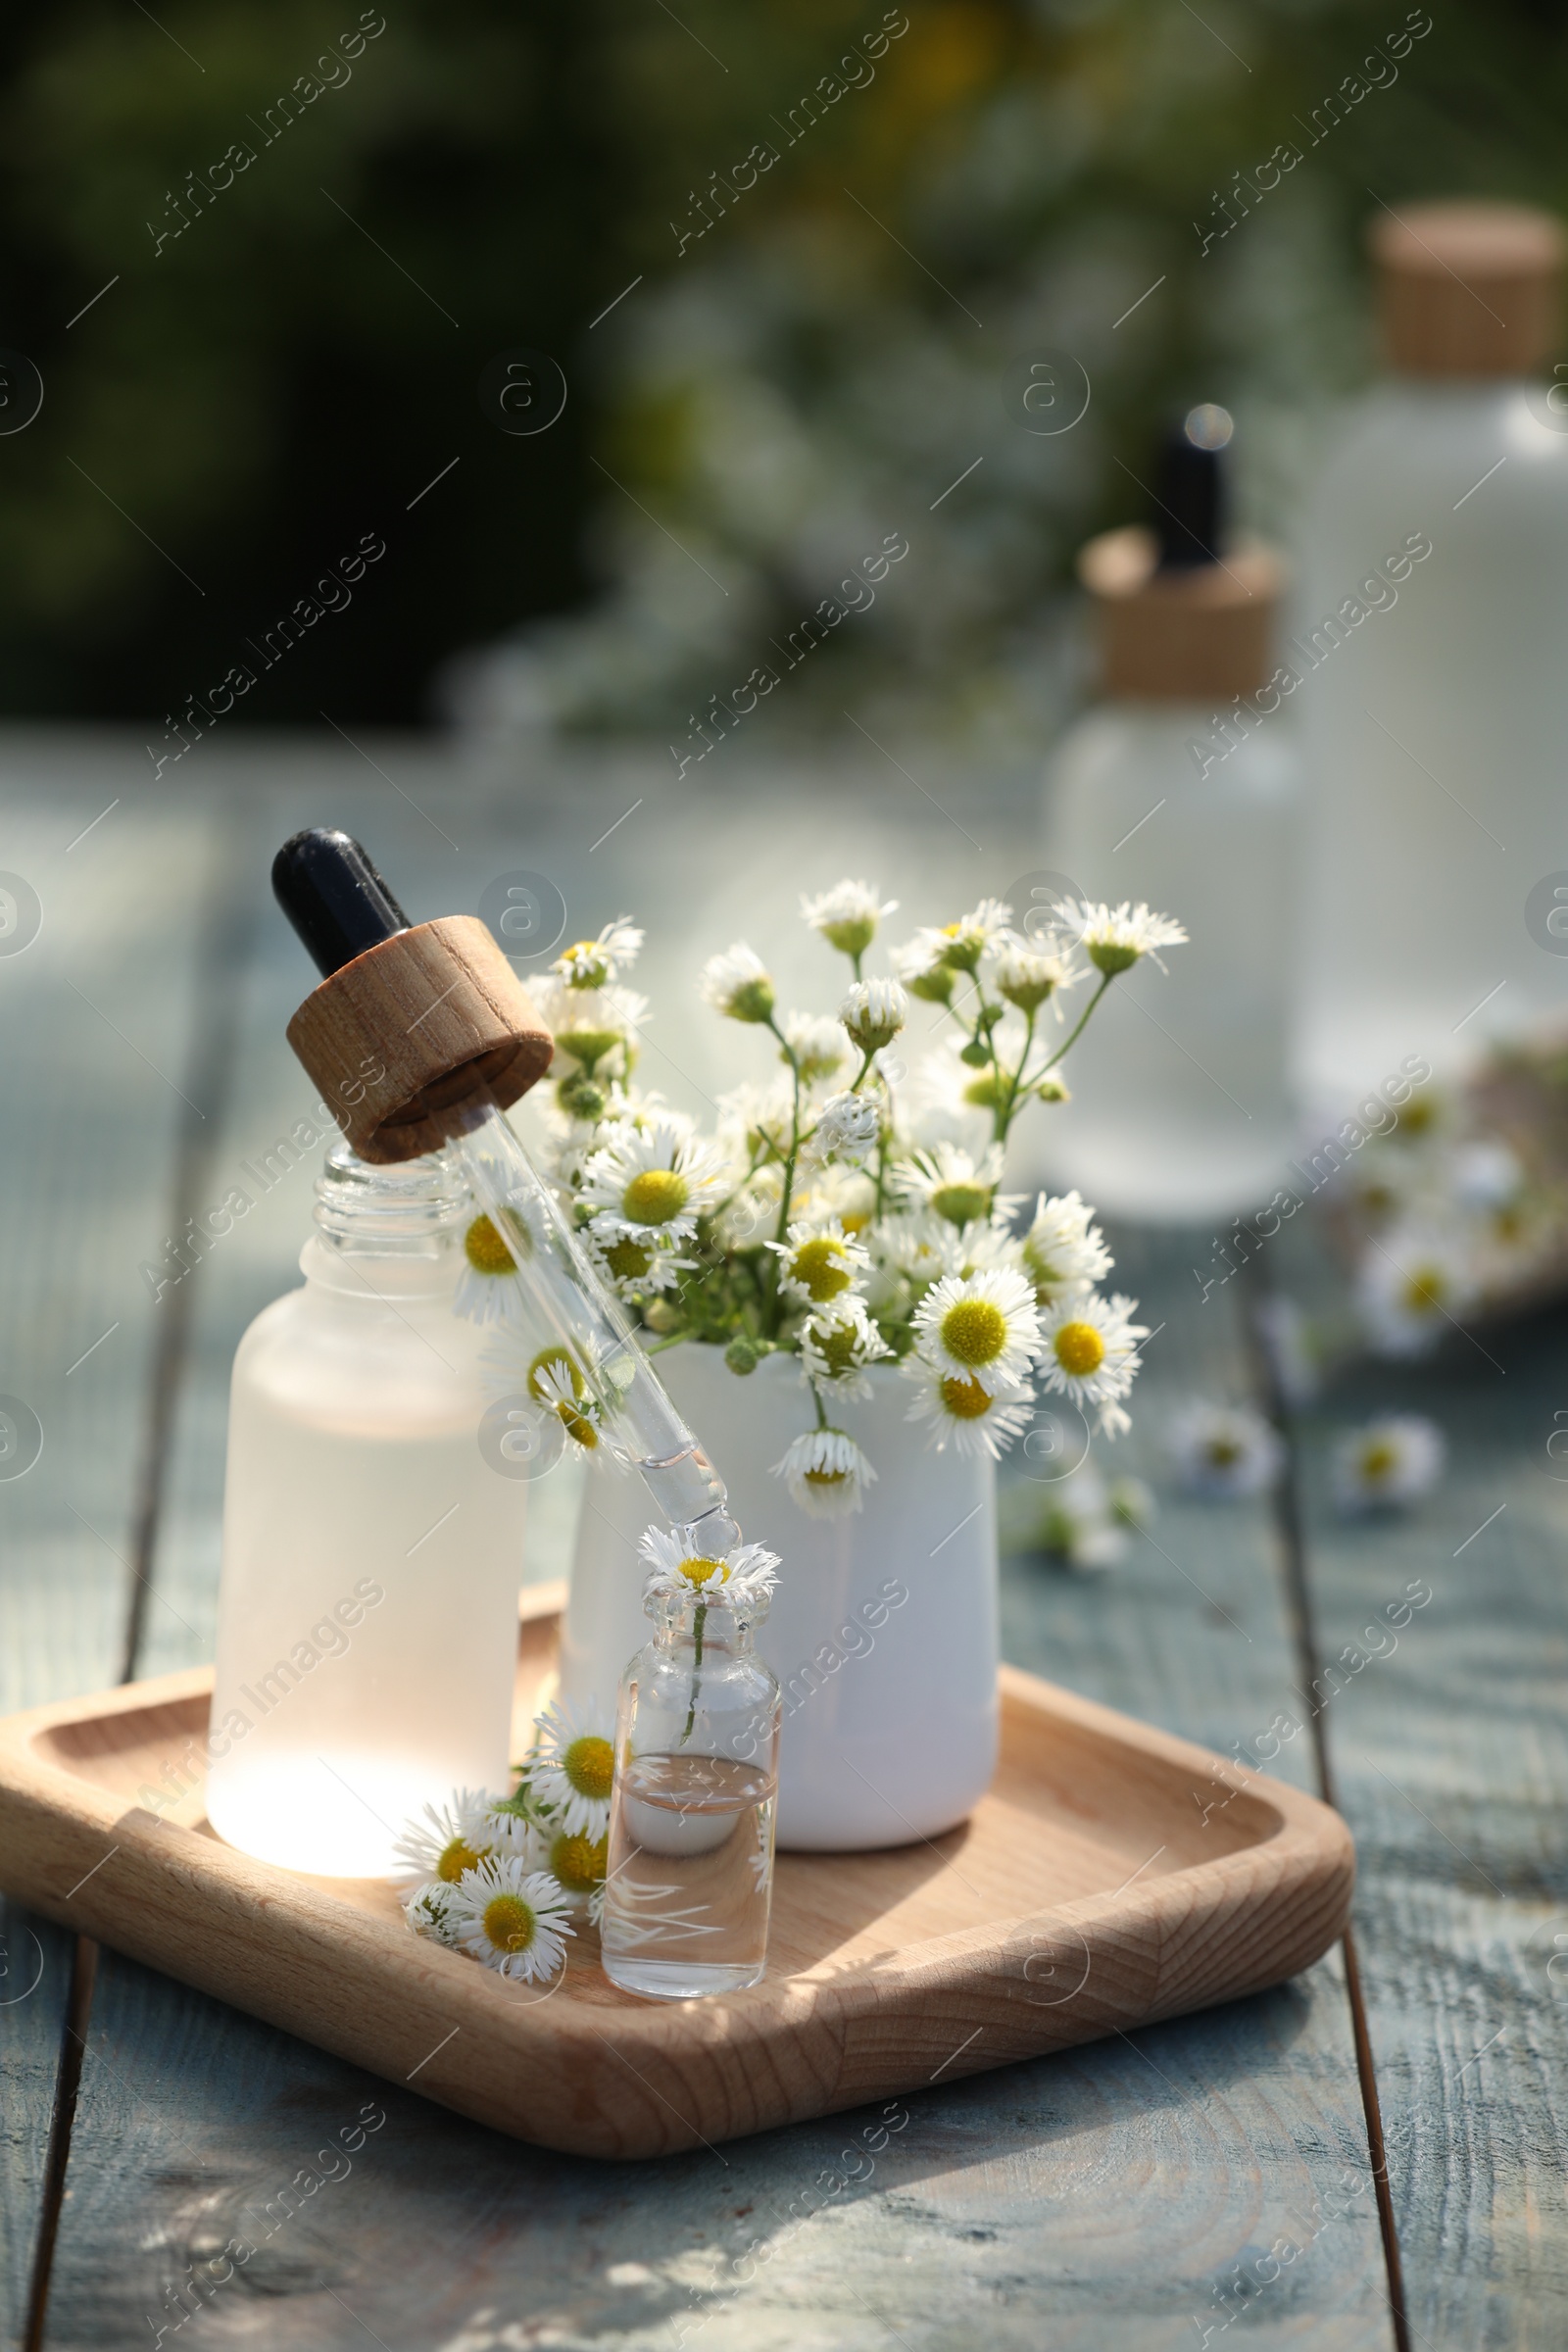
(366,1640)
(689,1880)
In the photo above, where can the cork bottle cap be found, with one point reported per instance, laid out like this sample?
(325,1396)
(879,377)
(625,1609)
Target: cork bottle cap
(1468,290)
(1203,633)
(414,1023)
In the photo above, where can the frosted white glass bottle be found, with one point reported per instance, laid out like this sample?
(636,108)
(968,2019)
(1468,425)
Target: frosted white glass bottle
(1432,646)
(1179,1102)
(366,1640)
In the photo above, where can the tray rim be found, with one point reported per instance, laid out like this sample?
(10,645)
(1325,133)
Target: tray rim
(258,1919)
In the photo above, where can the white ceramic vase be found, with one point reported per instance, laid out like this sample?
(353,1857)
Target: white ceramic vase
(883,1631)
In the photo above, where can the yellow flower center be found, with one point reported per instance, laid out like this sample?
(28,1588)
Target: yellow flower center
(1378,1459)
(628,1261)
(589,1764)
(836,1346)
(1425,1289)
(975,1331)
(819,1267)
(1223,1452)
(656,1196)
(579,1862)
(458,1858)
(962,1203)
(555,1359)
(697,1571)
(485,1250)
(510,1923)
(826,1478)
(1079,1348)
(966,1400)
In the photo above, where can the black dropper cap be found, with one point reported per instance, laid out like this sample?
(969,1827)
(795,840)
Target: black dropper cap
(1192,489)
(334,896)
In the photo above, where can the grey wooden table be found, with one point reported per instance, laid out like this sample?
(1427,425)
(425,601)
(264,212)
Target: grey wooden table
(1271,2168)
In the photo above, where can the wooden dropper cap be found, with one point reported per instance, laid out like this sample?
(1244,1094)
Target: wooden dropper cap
(1468,290)
(413,1022)
(1177,621)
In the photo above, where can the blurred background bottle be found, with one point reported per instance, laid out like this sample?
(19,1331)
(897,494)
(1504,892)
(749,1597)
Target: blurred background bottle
(1178,788)
(1432,647)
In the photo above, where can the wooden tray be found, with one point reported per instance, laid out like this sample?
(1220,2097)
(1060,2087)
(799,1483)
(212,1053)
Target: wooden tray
(1087,1893)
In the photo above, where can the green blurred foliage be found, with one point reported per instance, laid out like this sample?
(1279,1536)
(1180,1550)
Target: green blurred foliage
(271,384)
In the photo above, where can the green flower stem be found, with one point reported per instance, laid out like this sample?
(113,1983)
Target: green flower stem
(1083,1024)
(697,1623)
(1005,1111)
(860,1075)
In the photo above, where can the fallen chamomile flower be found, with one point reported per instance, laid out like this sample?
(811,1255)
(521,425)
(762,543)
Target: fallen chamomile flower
(827,1473)
(1115,938)
(984,1329)
(442,1841)
(513,1919)
(848,915)
(1388,1465)
(1224,1451)
(738,984)
(1089,1351)
(428,1911)
(567,1773)
(1412,1287)
(744,1575)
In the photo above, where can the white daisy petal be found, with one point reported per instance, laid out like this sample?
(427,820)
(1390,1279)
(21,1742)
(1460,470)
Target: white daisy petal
(738,984)
(1089,1351)
(1388,1464)
(848,915)
(963,1414)
(742,1578)
(652,1184)
(592,961)
(982,1327)
(443,1840)
(1063,1250)
(1114,938)
(568,1769)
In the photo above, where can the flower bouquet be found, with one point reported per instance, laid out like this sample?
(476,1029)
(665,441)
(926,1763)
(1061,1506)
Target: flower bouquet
(844,1299)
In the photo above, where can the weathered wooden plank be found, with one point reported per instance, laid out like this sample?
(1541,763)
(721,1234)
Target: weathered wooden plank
(1450,1762)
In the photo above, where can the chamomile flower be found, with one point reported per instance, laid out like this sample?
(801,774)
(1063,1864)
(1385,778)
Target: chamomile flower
(848,915)
(487,1288)
(738,984)
(985,1328)
(818,1045)
(1411,1287)
(550,1376)
(592,1025)
(923,967)
(1224,1451)
(966,1414)
(837,1195)
(1388,1464)
(1063,1250)
(444,1841)
(1028,976)
(956,1185)
(921,1247)
(960,946)
(827,1473)
(874,1012)
(592,961)
(512,1918)
(631,1267)
(429,1910)
(838,1342)
(510,1828)
(847,1126)
(570,1766)
(651,1184)
(819,1263)
(1114,938)
(577,1863)
(741,1578)
(1089,1351)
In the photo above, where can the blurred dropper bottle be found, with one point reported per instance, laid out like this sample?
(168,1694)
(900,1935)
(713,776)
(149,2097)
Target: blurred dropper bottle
(374,1508)
(1175,789)
(1432,645)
